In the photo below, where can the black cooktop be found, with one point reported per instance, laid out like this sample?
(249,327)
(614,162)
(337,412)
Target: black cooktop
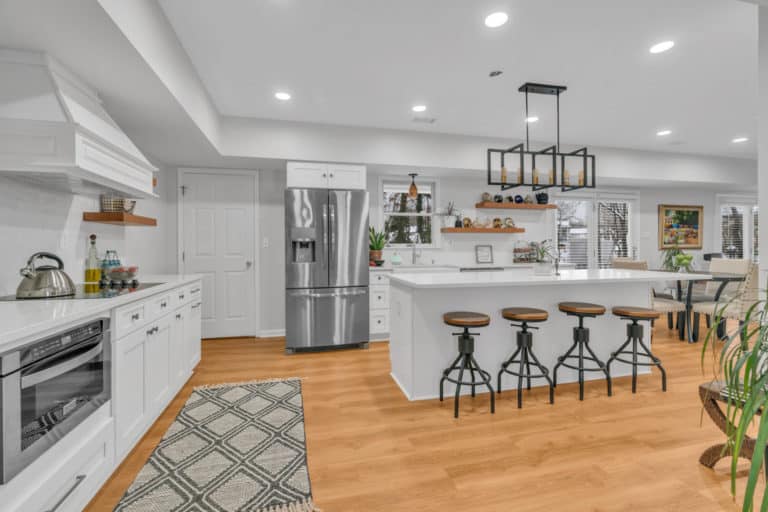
(94,291)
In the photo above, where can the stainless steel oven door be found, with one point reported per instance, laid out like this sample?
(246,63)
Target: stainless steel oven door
(45,400)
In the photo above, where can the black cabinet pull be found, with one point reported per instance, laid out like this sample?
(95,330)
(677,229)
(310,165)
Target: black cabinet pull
(135,316)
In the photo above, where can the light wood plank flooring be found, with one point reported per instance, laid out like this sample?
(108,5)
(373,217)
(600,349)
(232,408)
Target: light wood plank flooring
(370,450)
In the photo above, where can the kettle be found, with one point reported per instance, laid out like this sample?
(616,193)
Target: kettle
(45,281)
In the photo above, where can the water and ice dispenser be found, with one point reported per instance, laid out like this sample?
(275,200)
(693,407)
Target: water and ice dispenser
(303,245)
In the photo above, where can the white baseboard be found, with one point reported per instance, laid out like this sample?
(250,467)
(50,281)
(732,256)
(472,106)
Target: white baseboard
(270,333)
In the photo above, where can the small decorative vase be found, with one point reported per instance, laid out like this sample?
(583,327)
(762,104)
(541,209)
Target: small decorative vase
(459,223)
(449,221)
(543,268)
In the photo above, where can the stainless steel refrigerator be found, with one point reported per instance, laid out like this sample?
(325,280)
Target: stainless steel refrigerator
(326,268)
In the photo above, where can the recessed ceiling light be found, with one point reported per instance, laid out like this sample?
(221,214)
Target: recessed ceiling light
(282,96)
(531,119)
(496,19)
(419,108)
(739,140)
(662,47)
(663,133)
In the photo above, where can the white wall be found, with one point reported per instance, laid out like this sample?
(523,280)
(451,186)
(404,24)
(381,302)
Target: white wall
(34,219)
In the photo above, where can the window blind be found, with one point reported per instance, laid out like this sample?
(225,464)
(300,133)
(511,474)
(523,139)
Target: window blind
(732,231)
(573,232)
(613,228)
(755,233)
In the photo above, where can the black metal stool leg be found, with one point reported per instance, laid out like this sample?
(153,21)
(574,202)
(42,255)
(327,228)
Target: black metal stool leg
(520,375)
(458,386)
(446,372)
(616,353)
(545,374)
(472,374)
(487,382)
(603,367)
(657,362)
(634,365)
(560,361)
(581,371)
(504,366)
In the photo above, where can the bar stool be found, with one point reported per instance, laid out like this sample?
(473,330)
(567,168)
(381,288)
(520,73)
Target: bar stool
(525,350)
(635,336)
(466,359)
(581,310)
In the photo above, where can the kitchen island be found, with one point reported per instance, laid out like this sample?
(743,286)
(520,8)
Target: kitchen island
(421,345)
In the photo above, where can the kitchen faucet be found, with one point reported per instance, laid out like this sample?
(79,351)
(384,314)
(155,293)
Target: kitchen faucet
(415,254)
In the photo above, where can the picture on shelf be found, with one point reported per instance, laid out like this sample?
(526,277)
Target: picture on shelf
(680,226)
(484,254)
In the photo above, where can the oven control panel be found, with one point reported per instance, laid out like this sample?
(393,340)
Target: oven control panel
(42,349)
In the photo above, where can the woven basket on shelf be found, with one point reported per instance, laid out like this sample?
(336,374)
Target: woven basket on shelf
(116,204)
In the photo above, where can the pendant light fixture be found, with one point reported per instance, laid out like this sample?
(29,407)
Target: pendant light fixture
(523,156)
(413,192)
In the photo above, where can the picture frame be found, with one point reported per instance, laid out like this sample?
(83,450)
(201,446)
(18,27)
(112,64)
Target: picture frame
(681,226)
(483,254)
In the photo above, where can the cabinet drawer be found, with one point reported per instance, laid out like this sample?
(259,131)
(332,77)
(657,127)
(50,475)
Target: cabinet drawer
(180,296)
(194,292)
(379,321)
(379,297)
(158,306)
(129,318)
(379,278)
(80,478)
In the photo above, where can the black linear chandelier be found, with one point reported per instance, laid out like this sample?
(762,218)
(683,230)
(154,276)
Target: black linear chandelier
(527,173)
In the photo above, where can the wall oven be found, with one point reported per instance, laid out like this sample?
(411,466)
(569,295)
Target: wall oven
(47,388)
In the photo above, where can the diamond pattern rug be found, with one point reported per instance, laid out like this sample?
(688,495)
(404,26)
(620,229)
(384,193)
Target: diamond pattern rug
(232,448)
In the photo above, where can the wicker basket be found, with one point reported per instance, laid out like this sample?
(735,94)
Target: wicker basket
(111,204)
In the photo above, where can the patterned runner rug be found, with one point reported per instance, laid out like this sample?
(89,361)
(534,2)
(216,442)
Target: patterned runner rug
(232,448)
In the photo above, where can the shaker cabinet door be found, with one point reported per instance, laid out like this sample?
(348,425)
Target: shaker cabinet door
(307,175)
(130,394)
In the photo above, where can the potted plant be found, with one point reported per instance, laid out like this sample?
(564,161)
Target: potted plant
(683,262)
(377,240)
(742,364)
(669,261)
(449,217)
(544,257)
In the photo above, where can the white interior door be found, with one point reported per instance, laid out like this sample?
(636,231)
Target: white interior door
(219,233)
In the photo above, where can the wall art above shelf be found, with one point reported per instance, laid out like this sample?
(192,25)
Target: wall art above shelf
(491,205)
(483,230)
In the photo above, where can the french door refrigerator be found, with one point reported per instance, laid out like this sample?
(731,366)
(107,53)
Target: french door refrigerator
(326,268)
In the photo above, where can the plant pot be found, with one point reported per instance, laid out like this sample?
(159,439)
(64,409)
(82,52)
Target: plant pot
(449,221)
(543,268)
(374,255)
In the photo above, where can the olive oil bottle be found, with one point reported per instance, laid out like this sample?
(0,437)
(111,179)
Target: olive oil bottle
(92,267)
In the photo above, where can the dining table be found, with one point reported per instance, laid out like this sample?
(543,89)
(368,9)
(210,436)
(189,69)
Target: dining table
(686,328)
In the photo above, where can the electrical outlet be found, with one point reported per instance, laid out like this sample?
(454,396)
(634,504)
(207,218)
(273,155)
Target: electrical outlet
(265,243)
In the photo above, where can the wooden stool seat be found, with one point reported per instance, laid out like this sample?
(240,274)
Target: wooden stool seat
(466,319)
(635,313)
(581,308)
(525,314)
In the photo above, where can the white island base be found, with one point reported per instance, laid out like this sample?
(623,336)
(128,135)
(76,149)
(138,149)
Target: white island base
(421,345)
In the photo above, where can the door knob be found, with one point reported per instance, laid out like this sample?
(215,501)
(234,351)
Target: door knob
(248,264)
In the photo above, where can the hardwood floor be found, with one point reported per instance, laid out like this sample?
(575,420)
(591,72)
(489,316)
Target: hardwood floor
(370,450)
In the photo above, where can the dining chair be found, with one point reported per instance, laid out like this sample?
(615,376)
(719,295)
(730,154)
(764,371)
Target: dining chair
(736,304)
(660,304)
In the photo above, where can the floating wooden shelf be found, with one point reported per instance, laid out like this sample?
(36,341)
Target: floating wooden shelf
(121,218)
(490,205)
(482,230)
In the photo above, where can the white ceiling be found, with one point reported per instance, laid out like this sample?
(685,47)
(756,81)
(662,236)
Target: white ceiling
(366,63)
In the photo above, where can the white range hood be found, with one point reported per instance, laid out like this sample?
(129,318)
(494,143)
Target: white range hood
(55,131)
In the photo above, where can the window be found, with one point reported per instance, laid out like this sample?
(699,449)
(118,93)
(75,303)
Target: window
(592,232)
(732,231)
(738,230)
(408,220)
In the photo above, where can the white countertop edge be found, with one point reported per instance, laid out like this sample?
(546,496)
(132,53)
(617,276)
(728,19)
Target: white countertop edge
(567,277)
(22,321)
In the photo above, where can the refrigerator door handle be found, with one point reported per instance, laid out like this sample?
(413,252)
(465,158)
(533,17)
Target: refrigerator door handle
(325,231)
(332,229)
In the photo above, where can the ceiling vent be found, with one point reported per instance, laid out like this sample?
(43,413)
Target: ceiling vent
(424,120)
(54,129)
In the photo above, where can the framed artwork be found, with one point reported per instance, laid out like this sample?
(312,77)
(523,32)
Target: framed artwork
(680,226)
(484,254)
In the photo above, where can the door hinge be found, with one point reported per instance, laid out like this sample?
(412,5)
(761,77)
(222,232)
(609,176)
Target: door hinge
(183,189)
(183,255)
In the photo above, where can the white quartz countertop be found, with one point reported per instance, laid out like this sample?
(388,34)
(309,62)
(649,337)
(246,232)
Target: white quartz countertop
(438,267)
(566,277)
(24,319)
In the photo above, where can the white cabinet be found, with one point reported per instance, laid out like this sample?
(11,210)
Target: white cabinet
(178,367)
(378,318)
(346,176)
(158,364)
(129,394)
(323,175)
(193,333)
